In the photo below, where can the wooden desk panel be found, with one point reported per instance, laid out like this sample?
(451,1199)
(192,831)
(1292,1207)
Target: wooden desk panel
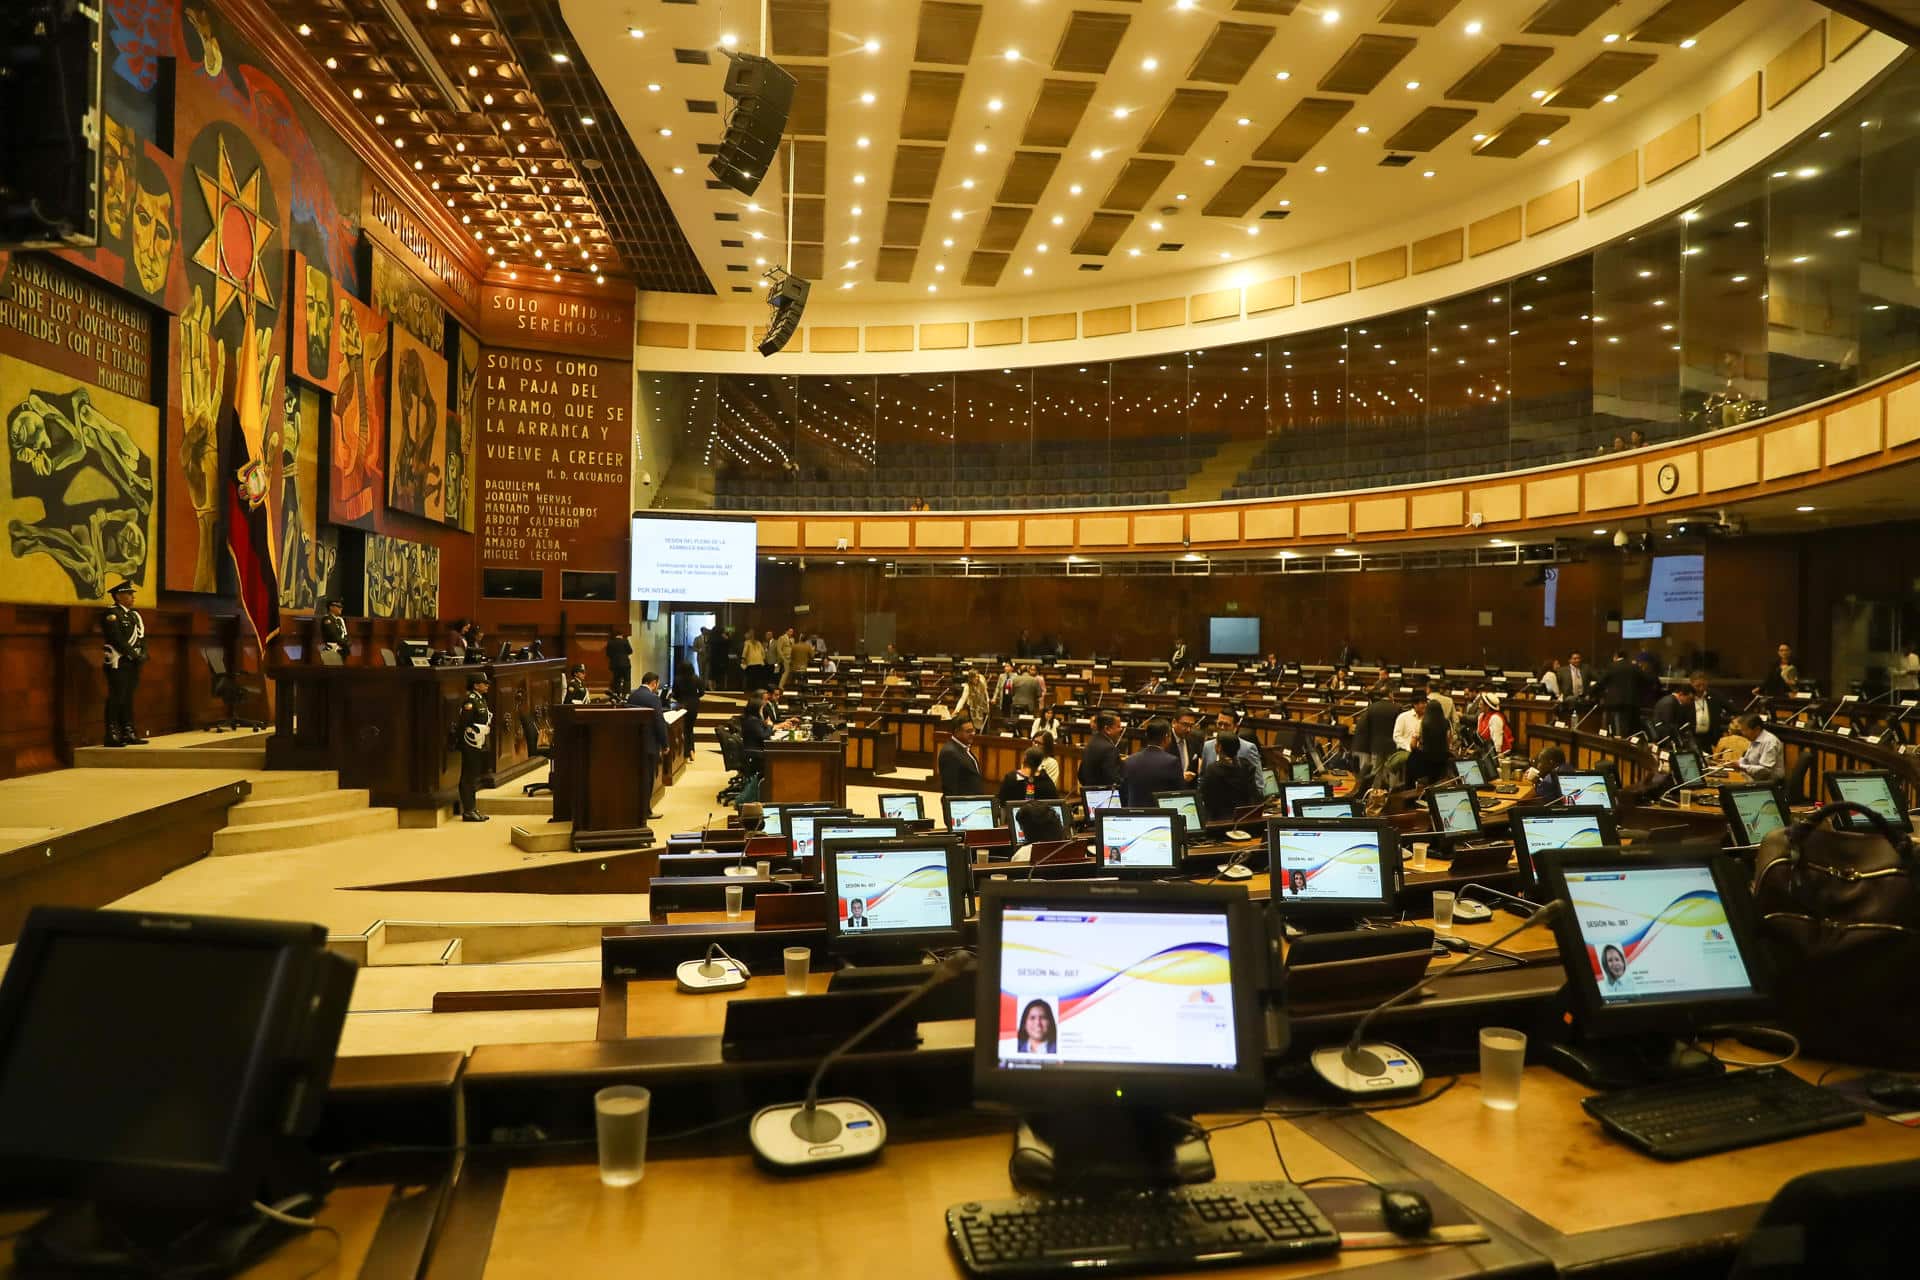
(1552,1161)
(661,1008)
(722,1216)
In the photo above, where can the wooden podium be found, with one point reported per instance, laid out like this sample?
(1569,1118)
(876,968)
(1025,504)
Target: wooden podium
(802,771)
(605,774)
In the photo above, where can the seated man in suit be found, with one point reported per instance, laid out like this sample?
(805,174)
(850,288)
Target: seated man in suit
(959,769)
(1150,769)
(1100,761)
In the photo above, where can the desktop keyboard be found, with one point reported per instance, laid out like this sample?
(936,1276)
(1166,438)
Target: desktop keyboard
(1688,1118)
(1205,1225)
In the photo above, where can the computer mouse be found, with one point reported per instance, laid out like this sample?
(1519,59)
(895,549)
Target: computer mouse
(1406,1213)
(1238,834)
(1239,871)
(1893,1090)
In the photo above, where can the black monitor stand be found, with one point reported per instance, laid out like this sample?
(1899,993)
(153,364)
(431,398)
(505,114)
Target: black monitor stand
(1625,1062)
(1098,1150)
(90,1238)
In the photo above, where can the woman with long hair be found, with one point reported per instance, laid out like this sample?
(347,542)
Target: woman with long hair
(1038,1032)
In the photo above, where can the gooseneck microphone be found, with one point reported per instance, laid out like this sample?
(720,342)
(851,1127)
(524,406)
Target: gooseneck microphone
(813,1134)
(1362,1069)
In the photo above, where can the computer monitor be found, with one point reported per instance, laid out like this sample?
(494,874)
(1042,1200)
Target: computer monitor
(968,813)
(899,892)
(166,1065)
(1300,770)
(1098,798)
(1453,811)
(1686,766)
(1656,942)
(1471,772)
(838,827)
(1010,817)
(1754,810)
(1096,995)
(1874,788)
(801,824)
(1537,829)
(1327,808)
(416,653)
(1583,790)
(1143,842)
(1333,868)
(1187,805)
(908,806)
(1293,792)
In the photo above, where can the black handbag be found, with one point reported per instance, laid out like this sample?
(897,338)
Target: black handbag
(1840,915)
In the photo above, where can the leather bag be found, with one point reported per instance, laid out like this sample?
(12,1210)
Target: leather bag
(1839,911)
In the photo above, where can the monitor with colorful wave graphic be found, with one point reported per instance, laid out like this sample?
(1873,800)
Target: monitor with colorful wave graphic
(1138,839)
(1538,830)
(1585,789)
(1755,810)
(1873,788)
(968,813)
(1114,986)
(908,891)
(1330,863)
(1657,933)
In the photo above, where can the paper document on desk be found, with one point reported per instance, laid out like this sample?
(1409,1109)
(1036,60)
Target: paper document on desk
(1354,1209)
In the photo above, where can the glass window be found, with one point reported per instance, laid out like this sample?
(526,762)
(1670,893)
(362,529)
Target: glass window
(1636,333)
(1723,306)
(1889,128)
(1813,288)
(913,436)
(1550,365)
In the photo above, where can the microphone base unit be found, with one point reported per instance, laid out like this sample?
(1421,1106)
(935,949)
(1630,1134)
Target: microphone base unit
(729,978)
(739,873)
(785,1143)
(1400,1072)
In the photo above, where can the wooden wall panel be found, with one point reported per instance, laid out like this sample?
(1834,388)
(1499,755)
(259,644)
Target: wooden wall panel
(1903,415)
(671,334)
(1496,231)
(1733,111)
(1270,295)
(1056,531)
(777,533)
(883,535)
(1791,451)
(720,337)
(889,337)
(1688,484)
(1326,282)
(940,535)
(1104,531)
(1060,327)
(1324,520)
(1381,268)
(1106,321)
(1798,63)
(993,535)
(1854,432)
(997,333)
(1553,496)
(1495,502)
(1220,304)
(1728,466)
(1441,250)
(1675,147)
(1614,487)
(1263,523)
(1380,515)
(1164,314)
(1842,34)
(1445,509)
(1556,208)
(838,339)
(943,337)
(1159,531)
(1613,180)
(1214,526)
(825,535)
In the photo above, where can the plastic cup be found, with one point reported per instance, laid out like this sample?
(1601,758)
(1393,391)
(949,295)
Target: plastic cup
(1443,911)
(763,869)
(798,961)
(620,1118)
(1419,856)
(1503,1059)
(737,894)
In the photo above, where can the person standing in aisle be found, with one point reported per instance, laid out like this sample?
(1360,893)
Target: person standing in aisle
(619,666)
(471,732)
(126,653)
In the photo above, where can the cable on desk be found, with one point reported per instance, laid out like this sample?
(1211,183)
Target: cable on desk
(1421,1100)
(1714,1034)
(543,1144)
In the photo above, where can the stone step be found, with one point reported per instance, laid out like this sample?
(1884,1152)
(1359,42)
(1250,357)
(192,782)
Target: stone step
(542,837)
(313,804)
(299,833)
(496,805)
(419,951)
(293,782)
(153,757)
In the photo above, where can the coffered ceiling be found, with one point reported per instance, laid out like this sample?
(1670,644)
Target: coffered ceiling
(952,146)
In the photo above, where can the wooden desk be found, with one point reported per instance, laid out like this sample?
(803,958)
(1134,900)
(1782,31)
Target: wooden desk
(800,771)
(601,754)
(1548,1173)
(720,1215)
(386,728)
(1585,750)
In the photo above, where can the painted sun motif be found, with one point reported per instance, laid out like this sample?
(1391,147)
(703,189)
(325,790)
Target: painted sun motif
(235,250)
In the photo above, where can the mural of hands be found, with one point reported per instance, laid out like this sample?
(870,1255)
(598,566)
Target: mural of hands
(203,367)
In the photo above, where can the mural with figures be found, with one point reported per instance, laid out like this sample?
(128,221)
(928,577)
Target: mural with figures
(76,489)
(357,470)
(402,578)
(462,430)
(417,453)
(306,563)
(318,306)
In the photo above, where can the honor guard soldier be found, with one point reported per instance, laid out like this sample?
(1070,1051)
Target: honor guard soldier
(333,631)
(471,732)
(126,652)
(576,684)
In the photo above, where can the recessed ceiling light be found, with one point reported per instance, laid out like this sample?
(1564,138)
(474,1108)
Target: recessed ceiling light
(994,104)
(1075,189)
(1413,84)
(1544,142)
(1120,113)
(1611,97)
(859,179)
(1473,28)
(851,263)
(846,284)
(1253,231)
(958,214)
(1149,64)
(729,40)
(948,242)
(1283,75)
(1479,137)
(1244,121)
(1363,128)
(1011,55)
(636,33)
(1539,94)
(1319,168)
(666,133)
(867,98)
(1842,232)
(1688,43)
(1097,153)
(678,169)
(966,184)
(1209,162)
(1154,226)
(1286,204)
(863,142)
(871,46)
(587,121)
(653,88)
(1026,271)
(939,266)
(1058,219)
(1133,253)
(1803,509)
(1041,247)
(853,239)
(753,207)
(1427,174)
(1224,255)
(855,211)
(305,30)
(1180,196)
(1808,172)
(933,288)
(1330,16)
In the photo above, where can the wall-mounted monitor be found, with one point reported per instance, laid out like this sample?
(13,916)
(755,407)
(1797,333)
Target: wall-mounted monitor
(1233,636)
(693,558)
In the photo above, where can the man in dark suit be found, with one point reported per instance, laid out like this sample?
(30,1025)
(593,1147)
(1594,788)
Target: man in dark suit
(619,665)
(1711,714)
(1152,768)
(1672,717)
(1620,695)
(1373,731)
(648,696)
(1187,744)
(1100,761)
(959,768)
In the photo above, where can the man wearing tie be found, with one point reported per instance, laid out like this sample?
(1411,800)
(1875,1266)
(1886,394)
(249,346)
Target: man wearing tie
(959,769)
(648,696)
(1573,680)
(1187,744)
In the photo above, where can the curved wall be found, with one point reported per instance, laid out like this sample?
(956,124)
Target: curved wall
(1745,104)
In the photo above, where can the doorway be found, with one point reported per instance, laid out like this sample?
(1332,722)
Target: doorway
(682,634)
